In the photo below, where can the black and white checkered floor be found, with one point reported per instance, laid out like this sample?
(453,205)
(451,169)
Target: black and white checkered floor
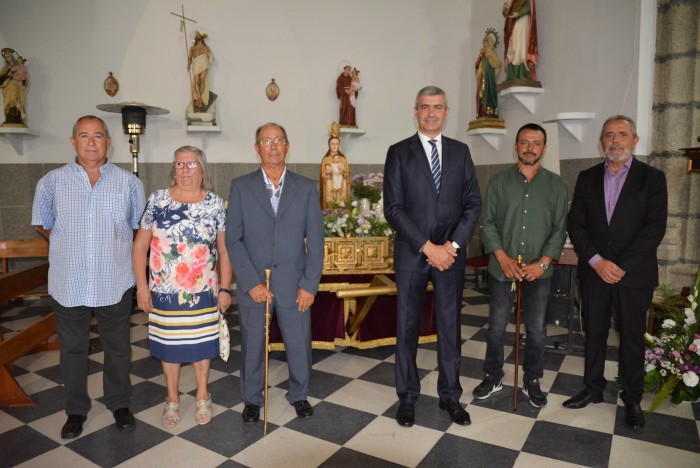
(353,424)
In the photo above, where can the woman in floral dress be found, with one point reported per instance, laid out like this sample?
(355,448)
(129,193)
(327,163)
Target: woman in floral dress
(184,227)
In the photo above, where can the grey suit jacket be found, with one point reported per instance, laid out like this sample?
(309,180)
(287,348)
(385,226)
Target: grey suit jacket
(256,239)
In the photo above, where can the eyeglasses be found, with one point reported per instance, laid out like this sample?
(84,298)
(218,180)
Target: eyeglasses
(268,141)
(188,164)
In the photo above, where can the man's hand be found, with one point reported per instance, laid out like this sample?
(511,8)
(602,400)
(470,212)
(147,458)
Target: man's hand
(440,256)
(609,271)
(509,266)
(304,300)
(532,271)
(260,294)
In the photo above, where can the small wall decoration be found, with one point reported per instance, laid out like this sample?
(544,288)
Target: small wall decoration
(111,85)
(272,91)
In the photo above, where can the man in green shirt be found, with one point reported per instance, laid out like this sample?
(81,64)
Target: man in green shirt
(525,215)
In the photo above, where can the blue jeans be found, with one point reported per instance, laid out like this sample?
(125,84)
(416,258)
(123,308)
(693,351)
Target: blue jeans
(533,312)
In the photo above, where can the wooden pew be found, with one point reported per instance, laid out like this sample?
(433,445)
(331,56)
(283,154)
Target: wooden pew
(19,284)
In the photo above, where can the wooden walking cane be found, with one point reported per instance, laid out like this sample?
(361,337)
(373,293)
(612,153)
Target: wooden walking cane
(267,349)
(518,285)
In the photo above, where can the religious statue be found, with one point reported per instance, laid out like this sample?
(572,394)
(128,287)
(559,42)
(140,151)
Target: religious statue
(520,40)
(487,68)
(335,175)
(202,110)
(14,80)
(346,88)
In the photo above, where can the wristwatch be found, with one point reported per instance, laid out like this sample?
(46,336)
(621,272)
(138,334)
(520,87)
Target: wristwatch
(544,266)
(456,246)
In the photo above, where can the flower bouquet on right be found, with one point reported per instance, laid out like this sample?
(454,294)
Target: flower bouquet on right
(672,357)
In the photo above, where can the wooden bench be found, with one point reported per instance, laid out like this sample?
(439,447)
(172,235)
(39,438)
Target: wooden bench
(17,284)
(20,283)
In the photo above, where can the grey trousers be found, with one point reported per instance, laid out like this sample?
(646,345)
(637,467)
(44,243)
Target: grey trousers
(296,333)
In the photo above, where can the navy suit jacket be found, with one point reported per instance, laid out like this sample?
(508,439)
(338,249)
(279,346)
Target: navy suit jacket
(289,243)
(636,227)
(416,211)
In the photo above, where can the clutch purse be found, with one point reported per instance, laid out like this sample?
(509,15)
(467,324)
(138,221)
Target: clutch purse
(224,343)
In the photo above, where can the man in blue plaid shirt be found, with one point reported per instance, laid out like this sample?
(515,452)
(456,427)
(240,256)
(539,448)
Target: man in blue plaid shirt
(89,209)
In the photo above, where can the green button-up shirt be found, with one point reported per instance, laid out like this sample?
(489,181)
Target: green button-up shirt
(524,218)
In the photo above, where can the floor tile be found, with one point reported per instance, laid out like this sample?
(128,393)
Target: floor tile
(384,438)
(176,453)
(346,457)
(364,396)
(346,365)
(286,448)
(60,456)
(626,452)
(595,417)
(20,436)
(324,383)
(453,451)
(528,460)
(495,427)
(569,444)
(331,422)
(661,429)
(93,446)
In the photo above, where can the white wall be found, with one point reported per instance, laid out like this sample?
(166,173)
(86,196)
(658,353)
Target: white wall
(589,62)
(587,58)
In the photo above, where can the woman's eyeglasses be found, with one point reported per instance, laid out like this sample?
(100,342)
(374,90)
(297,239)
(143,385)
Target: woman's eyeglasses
(188,164)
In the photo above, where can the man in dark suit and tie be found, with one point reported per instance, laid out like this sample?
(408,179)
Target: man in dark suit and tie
(432,200)
(616,222)
(274,221)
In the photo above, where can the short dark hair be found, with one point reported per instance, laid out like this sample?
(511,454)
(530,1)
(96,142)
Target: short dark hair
(90,117)
(629,120)
(430,91)
(531,126)
(270,124)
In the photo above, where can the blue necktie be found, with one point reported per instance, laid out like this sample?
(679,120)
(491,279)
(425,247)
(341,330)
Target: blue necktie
(435,164)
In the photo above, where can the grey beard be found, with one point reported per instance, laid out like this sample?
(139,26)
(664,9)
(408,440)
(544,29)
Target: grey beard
(622,157)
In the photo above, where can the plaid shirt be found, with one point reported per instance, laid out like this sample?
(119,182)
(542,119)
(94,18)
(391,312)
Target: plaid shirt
(91,232)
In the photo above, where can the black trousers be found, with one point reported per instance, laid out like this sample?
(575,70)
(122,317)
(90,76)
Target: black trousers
(114,327)
(447,290)
(630,304)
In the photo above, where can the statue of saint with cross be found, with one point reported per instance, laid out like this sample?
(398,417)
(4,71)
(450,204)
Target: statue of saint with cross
(201,110)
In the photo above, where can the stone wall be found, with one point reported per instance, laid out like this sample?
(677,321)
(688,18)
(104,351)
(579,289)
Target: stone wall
(676,124)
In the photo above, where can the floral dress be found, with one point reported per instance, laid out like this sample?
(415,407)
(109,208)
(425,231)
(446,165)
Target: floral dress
(183,324)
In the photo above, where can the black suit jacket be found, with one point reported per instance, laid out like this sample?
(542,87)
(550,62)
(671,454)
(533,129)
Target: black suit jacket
(636,227)
(416,211)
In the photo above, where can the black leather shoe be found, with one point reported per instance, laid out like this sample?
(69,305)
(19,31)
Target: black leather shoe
(581,400)
(634,417)
(124,420)
(251,413)
(304,409)
(73,426)
(457,414)
(406,414)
